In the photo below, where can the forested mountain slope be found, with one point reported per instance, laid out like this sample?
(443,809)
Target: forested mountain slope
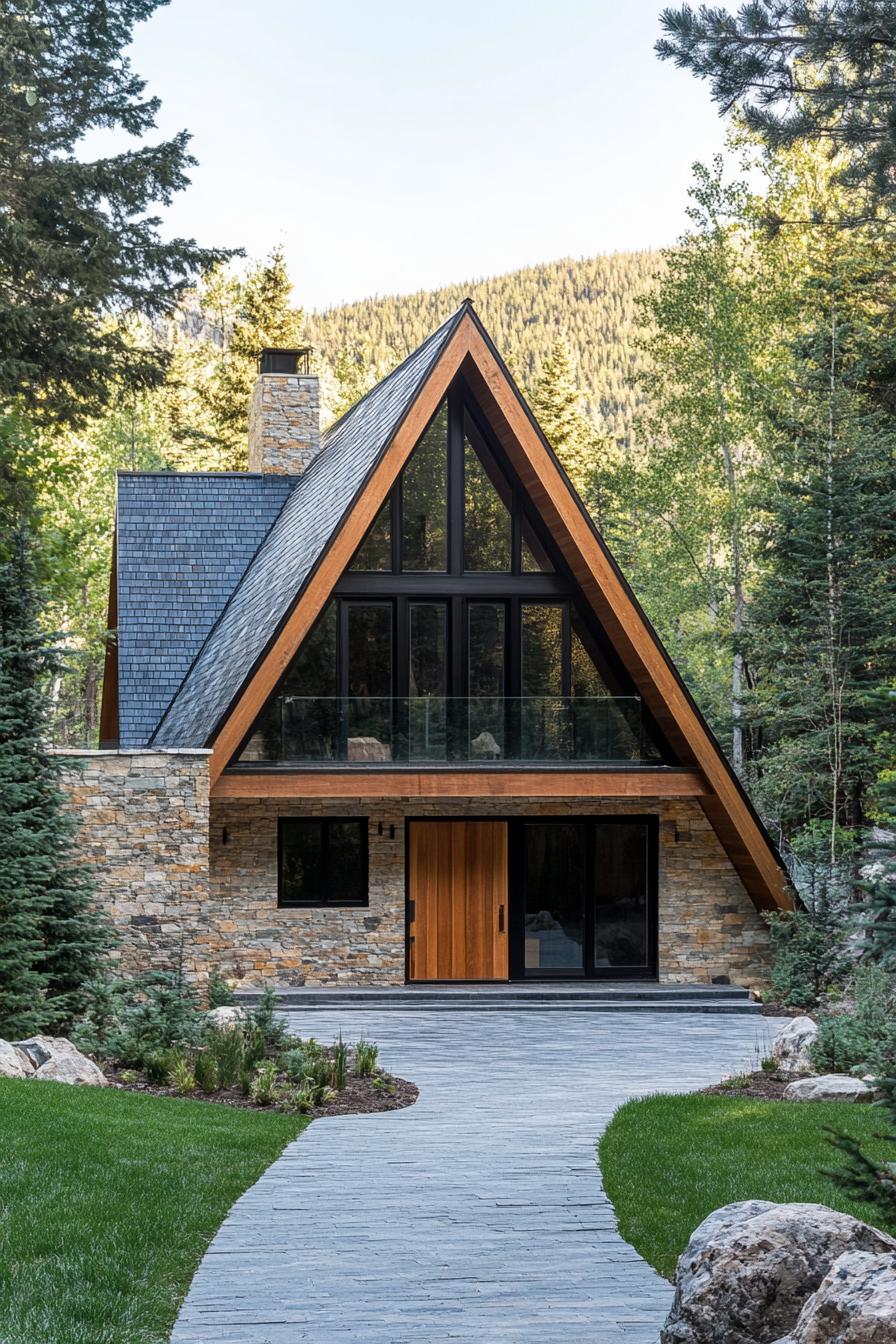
(591,301)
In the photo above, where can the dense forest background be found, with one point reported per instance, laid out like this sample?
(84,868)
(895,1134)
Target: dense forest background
(591,304)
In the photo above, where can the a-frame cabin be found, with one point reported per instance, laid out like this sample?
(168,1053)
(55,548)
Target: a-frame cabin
(442,740)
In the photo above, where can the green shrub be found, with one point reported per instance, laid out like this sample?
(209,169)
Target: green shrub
(366,1055)
(265,1022)
(205,1067)
(130,1020)
(295,1064)
(862,1039)
(218,992)
(809,955)
(339,1065)
(159,1064)
(181,1077)
(263,1088)
(295,1100)
(228,1050)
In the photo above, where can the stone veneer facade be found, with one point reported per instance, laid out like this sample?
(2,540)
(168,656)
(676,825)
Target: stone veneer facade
(144,832)
(284,423)
(180,894)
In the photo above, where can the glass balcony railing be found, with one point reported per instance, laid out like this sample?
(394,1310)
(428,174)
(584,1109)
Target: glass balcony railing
(363,730)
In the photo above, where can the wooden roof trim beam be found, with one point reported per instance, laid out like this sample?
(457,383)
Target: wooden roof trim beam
(364,783)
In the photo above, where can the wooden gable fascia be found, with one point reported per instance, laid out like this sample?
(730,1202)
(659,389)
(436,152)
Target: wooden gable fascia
(469,352)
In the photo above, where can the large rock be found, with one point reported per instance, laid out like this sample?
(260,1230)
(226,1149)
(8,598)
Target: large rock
(793,1043)
(56,1060)
(749,1269)
(226,1017)
(14,1063)
(854,1304)
(830,1087)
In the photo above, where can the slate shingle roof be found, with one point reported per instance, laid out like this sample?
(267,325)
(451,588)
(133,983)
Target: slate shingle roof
(183,542)
(267,591)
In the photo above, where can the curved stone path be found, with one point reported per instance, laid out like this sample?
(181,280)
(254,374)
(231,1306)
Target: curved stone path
(476,1215)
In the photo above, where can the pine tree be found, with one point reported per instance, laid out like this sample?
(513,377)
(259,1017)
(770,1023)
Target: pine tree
(823,622)
(80,246)
(819,71)
(557,402)
(863,1176)
(50,938)
(264,316)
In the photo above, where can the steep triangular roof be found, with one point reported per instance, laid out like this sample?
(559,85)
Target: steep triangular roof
(325,519)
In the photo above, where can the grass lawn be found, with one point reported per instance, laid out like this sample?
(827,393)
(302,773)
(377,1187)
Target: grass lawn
(107,1201)
(669,1161)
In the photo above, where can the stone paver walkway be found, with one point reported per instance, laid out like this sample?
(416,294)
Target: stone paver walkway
(476,1215)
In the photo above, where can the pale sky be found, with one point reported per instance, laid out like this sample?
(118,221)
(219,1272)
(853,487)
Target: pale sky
(392,146)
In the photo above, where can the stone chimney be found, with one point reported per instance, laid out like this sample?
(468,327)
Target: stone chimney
(284,414)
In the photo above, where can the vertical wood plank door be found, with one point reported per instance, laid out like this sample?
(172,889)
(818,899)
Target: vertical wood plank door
(457,873)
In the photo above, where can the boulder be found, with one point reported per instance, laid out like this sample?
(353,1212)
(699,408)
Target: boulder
(791,1046)
(830,1087)
(854,1304)
(74,1068)
(55,1059)
(14,1063)
(226,1017)
(749,1269)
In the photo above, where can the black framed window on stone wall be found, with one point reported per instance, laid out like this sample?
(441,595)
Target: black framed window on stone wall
(322,861)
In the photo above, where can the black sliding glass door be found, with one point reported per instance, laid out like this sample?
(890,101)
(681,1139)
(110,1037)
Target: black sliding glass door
(583,898)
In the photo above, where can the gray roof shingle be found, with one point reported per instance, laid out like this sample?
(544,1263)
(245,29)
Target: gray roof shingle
(182,542)
(267,591)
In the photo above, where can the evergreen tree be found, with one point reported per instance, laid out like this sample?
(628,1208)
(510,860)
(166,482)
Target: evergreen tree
(802,70)
(263,316)
(557,402)
(79,246)
(50,939)
(863,1176)
(823,623)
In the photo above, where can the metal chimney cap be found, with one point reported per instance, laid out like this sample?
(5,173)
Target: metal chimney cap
(276,360)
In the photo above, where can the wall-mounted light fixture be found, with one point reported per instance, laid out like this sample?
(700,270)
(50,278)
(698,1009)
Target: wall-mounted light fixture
(381,828)
(225,835)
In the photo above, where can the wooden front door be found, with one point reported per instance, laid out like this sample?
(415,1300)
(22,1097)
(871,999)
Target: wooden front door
(458,900)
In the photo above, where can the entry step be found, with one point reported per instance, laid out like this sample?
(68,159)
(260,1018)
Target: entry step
(623,996)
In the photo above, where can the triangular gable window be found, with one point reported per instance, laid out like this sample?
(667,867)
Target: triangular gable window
(450,666)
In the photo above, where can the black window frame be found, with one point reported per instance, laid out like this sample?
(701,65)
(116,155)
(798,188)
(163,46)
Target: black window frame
(324,902)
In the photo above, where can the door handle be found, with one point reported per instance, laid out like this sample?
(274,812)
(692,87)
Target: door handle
(500,919)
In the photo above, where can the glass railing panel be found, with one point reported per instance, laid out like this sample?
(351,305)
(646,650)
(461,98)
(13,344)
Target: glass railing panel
(479,730)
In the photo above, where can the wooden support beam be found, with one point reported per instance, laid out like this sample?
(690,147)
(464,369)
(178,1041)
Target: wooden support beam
(365,783)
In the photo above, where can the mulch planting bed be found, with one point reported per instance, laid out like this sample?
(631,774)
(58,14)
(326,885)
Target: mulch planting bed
(382,1092)
(767,1086)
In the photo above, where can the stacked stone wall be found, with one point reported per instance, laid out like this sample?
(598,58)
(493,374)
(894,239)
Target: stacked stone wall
(708,926)
(284,423)
(195,885)
(144,832)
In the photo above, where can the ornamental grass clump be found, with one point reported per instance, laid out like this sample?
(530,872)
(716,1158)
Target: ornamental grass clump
(366,1055)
